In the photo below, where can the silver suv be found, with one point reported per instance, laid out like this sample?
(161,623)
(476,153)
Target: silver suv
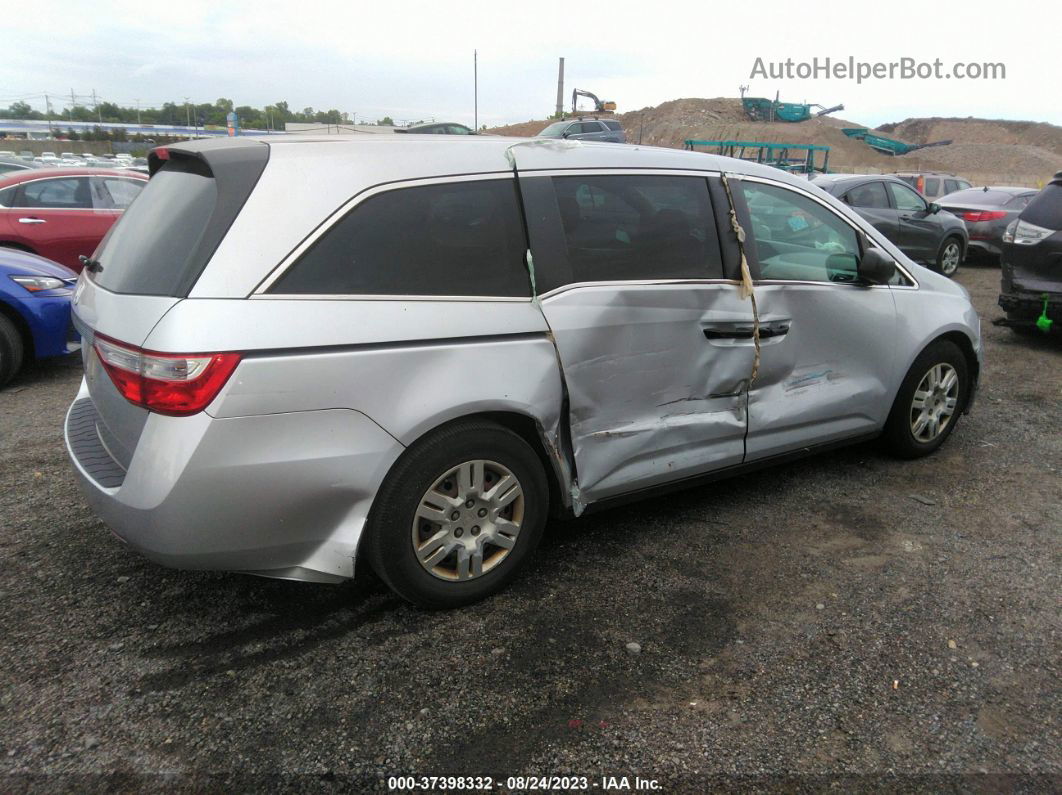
(608,130)
(417,350)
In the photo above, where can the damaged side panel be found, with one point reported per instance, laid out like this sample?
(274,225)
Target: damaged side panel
(652,397)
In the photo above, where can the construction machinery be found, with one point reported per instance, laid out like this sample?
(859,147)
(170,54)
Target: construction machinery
(794,158)
(763,109)
(599,105)
(887,146)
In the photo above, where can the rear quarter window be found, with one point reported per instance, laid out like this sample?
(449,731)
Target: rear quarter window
(458,238)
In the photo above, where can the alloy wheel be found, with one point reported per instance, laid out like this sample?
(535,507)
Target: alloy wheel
(468,522)
(949,261)
(934,402)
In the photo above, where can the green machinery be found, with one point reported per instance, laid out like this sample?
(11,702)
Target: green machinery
(794,158)
(887,146)
(763,109)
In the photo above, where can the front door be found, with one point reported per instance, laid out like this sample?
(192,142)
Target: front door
(919,228)
(829,342)
(652,339)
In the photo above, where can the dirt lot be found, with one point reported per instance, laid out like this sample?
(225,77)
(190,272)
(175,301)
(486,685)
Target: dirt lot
(849,619)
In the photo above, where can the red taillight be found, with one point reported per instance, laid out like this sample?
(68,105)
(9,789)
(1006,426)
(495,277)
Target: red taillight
(161,152)
(920,185)
(176,384)
(983,215)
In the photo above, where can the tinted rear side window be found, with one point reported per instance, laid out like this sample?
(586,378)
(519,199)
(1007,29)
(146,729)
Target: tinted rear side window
(458,238)
(612,125)
(147,250)
(638,227)
(932,186)
(1045,208)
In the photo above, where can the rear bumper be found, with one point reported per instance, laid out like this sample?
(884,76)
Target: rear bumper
(1021,305)
(283,495)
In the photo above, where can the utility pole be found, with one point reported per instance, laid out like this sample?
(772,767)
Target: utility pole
(187,113)
(48,114)
(475,89)
(73,104)
(96,105)
(560,89)
(138,111)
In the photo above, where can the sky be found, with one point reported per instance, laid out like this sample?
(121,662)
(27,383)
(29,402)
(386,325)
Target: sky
(413,60)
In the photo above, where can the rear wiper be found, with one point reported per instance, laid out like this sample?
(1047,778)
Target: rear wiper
(91,265)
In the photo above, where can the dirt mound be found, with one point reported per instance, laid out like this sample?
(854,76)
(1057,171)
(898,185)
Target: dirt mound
(985,151)
(978,131)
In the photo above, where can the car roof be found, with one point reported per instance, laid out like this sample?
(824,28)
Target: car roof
(401,157)
(1001,189)
(842,180)
(13,177)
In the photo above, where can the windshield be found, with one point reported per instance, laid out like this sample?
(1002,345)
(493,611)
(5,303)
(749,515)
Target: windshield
(554,130)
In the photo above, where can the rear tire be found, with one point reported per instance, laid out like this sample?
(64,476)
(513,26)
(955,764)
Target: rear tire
(11,350)
(931,399)
(949,257)
(439,534)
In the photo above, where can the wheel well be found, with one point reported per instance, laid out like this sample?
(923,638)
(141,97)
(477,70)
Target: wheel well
(18,246)
(958,239)
(23,329)
(528,429)
(967,349)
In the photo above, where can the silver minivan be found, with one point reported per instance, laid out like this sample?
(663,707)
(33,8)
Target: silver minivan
(418,349)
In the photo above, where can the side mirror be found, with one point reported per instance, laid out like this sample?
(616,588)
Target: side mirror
(876,267)
(934,208)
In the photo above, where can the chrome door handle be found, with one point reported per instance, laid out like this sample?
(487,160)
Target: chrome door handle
(32,221)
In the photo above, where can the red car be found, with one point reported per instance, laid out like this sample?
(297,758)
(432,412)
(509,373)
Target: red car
(62,213)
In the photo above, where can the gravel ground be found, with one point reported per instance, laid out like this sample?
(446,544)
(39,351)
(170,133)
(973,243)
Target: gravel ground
(848,620)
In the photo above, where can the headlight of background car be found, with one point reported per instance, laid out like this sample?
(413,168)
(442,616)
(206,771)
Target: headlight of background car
(36,284)
(1026,234)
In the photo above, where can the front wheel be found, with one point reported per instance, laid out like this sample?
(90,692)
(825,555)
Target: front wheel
(458,515)
(930,400)
(949,257)
(11,350)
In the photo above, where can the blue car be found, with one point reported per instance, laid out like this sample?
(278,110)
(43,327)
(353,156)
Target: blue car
(34,310)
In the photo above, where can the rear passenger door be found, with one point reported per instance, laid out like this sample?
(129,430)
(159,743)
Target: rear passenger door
(872,202)
(653,338)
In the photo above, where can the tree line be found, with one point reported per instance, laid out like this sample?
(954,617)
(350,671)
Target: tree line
(271,117)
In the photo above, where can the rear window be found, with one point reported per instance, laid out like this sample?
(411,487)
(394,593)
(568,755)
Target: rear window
(932,186)
(148,250)
(980,196)
(612,125)
(1045,208)
(457,238)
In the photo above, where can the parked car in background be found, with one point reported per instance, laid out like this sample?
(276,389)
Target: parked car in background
(616,360)
(13,164)
(34,310)
(608,130)
(436,128)
(933,184)
(1031,263)
(987,212)
(63,214)
(923,231)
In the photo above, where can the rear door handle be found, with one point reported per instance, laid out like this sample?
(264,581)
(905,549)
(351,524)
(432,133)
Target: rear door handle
(32,221)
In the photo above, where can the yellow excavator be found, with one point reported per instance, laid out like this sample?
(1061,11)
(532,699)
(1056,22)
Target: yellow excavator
(599,105)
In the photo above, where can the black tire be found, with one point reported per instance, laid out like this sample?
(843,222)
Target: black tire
(945,248)
(389,533)
(11,350)
(899,437)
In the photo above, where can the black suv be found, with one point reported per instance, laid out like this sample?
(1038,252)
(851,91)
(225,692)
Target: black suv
(921,229)
(1031,289)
